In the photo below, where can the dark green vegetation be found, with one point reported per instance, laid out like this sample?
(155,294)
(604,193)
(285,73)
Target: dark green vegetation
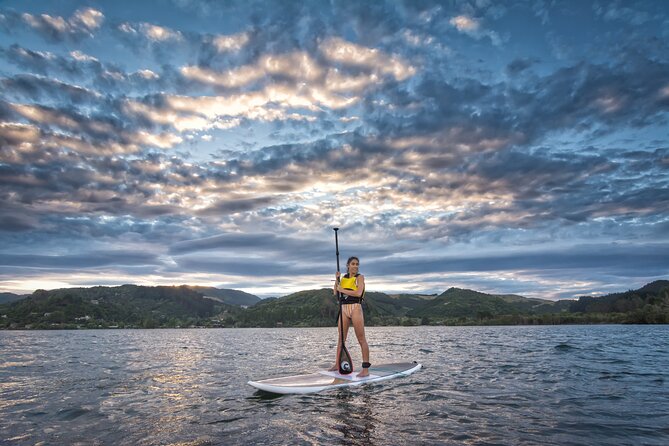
(648,305)
(125,306)
(131,306)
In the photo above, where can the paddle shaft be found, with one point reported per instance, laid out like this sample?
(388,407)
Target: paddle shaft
(337,251)
(342,350)
(341,332)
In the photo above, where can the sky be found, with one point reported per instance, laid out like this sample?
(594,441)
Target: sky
(517,147)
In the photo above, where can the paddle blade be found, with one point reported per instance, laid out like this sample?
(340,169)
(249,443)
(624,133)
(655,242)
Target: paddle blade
(345,363)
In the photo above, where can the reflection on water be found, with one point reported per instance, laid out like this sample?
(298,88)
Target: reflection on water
(479,385)
(356,418)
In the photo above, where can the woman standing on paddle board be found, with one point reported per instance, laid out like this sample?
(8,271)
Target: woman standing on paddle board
(351,287)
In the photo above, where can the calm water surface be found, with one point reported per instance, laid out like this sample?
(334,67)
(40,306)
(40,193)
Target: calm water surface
(585,385)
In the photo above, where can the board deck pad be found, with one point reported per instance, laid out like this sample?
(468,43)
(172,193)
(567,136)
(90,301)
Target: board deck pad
(351,376)
(326,380)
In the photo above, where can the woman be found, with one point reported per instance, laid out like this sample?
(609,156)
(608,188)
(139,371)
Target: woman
(351,287)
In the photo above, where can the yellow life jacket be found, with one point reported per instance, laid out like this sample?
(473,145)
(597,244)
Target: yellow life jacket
(351,283)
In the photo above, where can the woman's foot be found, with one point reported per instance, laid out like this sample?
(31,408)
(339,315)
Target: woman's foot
(363,373)
(334,368)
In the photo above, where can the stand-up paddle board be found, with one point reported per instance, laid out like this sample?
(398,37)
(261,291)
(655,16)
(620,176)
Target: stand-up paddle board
(327,380)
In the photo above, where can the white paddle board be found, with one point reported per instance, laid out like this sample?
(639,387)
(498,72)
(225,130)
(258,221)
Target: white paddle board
(326,380)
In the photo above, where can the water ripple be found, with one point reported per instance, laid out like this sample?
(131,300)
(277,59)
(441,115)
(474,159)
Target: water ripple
(563,385)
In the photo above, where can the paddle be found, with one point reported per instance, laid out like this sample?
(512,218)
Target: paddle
(343,358)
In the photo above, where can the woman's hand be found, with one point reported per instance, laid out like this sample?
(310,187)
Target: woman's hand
(336,284)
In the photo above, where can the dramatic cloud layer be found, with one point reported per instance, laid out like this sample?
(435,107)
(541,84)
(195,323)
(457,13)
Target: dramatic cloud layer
(509,149)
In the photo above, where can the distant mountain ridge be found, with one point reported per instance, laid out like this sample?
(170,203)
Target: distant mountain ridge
(653,295)
(10,297)
(126,305)
(139,306)
(462,303)
(227,296)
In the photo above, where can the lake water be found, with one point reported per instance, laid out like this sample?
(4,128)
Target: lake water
(581,385)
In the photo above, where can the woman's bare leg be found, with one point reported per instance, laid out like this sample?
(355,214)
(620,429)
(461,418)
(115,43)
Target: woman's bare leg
(359,327)
(347,322)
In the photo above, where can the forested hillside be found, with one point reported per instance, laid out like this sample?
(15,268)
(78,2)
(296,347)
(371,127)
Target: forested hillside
(131,306)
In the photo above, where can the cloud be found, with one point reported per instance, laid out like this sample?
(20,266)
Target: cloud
(241,266)
(298,66)
(613,257)
(443,134)
(613,11)
(29,141)
(16,133)
(262,254)
(472,27)
(16,223)
(273,103)
(83,23)
(71,128)
(518,66)
(186,113)
(237,205)
(88,71)
(542,11)
(210,144)
(37,61)
(91,259)
(159,44)
(151,32)
(465,24)
(585,93)
(268,243)
(230,43)
(337,50)
(278,88)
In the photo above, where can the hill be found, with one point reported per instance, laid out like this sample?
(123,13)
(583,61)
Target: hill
(649,304)
(10,297)
(461,304)
(311,308)
(227,296)
(387,309)
(455,306)
(123,306)
(319,308)
(137,306)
